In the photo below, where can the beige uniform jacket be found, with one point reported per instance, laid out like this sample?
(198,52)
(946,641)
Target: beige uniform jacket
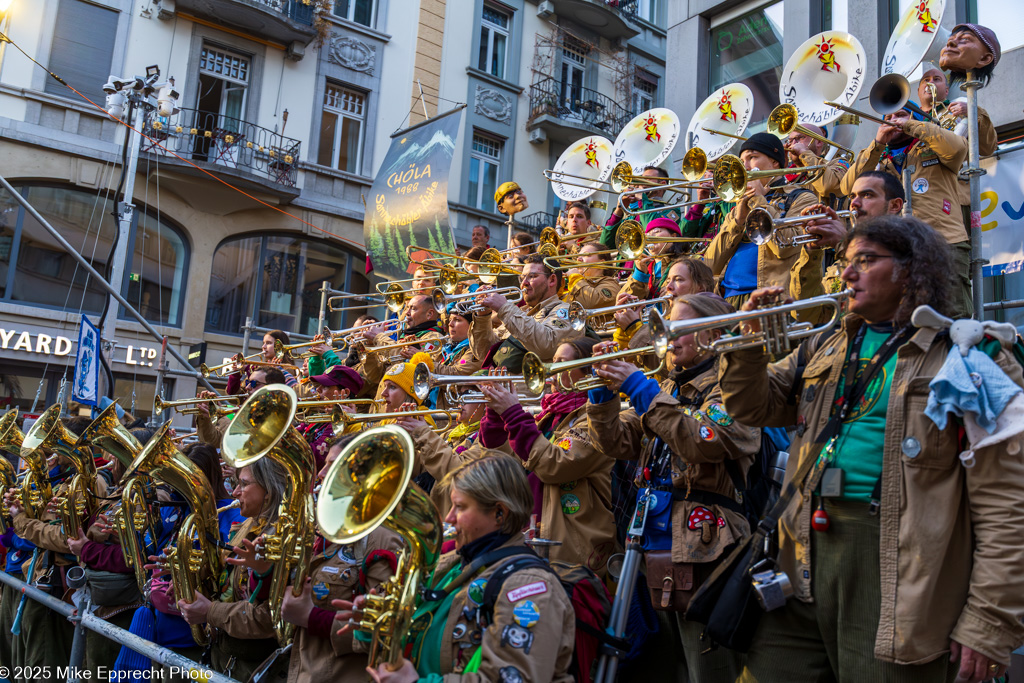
(774,263)
(375,363)
(541,329)
(335,576)
(595,292)
(512,650)
(934,160)
(829,179)
(210,433)
(950,537)
(988,140)
(437,457)
(47,532)
(233,613)
(702,440)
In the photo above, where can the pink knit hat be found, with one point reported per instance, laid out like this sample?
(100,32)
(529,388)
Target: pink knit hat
(666,224)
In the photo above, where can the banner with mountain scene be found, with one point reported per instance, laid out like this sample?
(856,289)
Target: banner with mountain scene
(409,196)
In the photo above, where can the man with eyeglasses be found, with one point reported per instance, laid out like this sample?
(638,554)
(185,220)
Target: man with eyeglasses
(421,322)
(905,563)
(539,326)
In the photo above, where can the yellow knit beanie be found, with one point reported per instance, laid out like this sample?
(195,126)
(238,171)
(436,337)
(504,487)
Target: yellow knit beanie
(402,373)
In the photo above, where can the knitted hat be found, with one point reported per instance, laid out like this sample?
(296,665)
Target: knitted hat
(665,224)
(986,36)
(340,376)
(461,309)
(504,189)
(402,373)
(767,144)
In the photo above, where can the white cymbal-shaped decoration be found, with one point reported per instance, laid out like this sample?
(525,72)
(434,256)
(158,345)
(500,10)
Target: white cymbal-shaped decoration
(726,110)
(918,37)
(827,66)
(647,139)
(589,157)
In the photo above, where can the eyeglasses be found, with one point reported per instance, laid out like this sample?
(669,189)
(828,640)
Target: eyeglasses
(531,276)
(861,262)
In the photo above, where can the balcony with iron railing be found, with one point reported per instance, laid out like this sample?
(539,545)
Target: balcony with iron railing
(566,112)
(611,19)
(257,156)
(282,21)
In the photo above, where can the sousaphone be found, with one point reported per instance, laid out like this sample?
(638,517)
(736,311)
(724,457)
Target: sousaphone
(726,110)
(647,139)
(583,166)
(918,37)
(828,66)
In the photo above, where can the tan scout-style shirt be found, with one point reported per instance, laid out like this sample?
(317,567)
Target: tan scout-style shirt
(541,329)
(934,160)
(827,181)
(531,638)
(376,362)
(334,575)
(950,539)
(774,263)
(701,440)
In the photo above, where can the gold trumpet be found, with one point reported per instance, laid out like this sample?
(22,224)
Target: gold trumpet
(190,406)
(441,300)
(588,383)
(579,316)
(731,176)
(536,371)
(777,330)
(281,349)
(760,227)
(424,381)
(632,243)
(370,485)
(262,428)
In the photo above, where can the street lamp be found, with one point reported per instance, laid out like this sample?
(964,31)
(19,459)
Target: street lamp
(4,6)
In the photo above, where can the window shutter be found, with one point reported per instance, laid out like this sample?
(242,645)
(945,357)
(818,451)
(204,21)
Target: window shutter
(82,50)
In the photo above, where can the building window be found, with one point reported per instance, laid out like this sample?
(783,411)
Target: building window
(341,128)
(84,36)
(649,10)
(484,161)
(494,28)
(34,271)
(645,91)
(276,281)
(574,66)
(994,13)
(749,50)
(359,11)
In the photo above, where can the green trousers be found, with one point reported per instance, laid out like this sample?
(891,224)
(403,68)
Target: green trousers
(832,640)
(962,306)
(45,638)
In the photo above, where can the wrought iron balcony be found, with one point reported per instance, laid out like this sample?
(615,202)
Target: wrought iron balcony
(568,112)
(283,21)
(215,140)
(534,222)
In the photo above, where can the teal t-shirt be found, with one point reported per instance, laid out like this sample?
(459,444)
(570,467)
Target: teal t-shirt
(861,439)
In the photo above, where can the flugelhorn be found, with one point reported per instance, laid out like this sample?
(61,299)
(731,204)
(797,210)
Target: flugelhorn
(631,241)
(760,227)
(370,485)
(731,176)
(424,381)
(441,300)
(579,316)
(776,336)
(190,406)
(536,371)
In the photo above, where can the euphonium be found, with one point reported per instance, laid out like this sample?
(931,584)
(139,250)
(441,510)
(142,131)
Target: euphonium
(10,440)
(369,485)
(262,428)
(49,434)
(194,560)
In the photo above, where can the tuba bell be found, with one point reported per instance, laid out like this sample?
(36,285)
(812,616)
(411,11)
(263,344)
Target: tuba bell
(370,485)
(10,441)
(194,560)
(262,427)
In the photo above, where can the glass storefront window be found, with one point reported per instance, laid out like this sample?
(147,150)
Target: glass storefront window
(1002,16)
(140,389)
(155,272)
(748,50)
(276,280)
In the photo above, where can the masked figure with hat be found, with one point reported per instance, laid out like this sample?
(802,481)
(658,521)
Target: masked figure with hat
(740,265)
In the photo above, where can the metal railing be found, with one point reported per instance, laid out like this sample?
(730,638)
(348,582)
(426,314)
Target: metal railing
(537,221)
(300,11)
(577,106)
(225,141)
(627,7)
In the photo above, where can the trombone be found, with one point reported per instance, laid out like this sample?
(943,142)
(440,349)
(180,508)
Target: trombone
(306,410)
(695,163)
(441,300)
(714,131)
(424,381)
(223,368)
(536,371)
(760,227)
(588,383)
(371,302)
(632,243)
(578,316)
(348,336)
(731,176)
(475,398)
(776,336)
(440,341)
(342,420)
(190,406)
(784,120)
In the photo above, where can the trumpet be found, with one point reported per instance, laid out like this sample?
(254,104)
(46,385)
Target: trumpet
(223,368)
(665,207)
(344,420)
(441,300)
(946,118)
(476,398)
(410,342)
(490,266)
(776,336)
(588,383)
(424,381)
(536,371)
(281,350)
(578,316)
(190,406)
(760,227)
(350,335)
(731,176)
(632,243)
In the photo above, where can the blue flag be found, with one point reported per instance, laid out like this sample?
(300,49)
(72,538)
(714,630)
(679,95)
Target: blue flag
(86,387)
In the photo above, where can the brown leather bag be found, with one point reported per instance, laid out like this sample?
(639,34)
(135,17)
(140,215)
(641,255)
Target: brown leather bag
(671,584)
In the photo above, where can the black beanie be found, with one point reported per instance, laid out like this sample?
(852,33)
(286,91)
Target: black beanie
(767,144)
